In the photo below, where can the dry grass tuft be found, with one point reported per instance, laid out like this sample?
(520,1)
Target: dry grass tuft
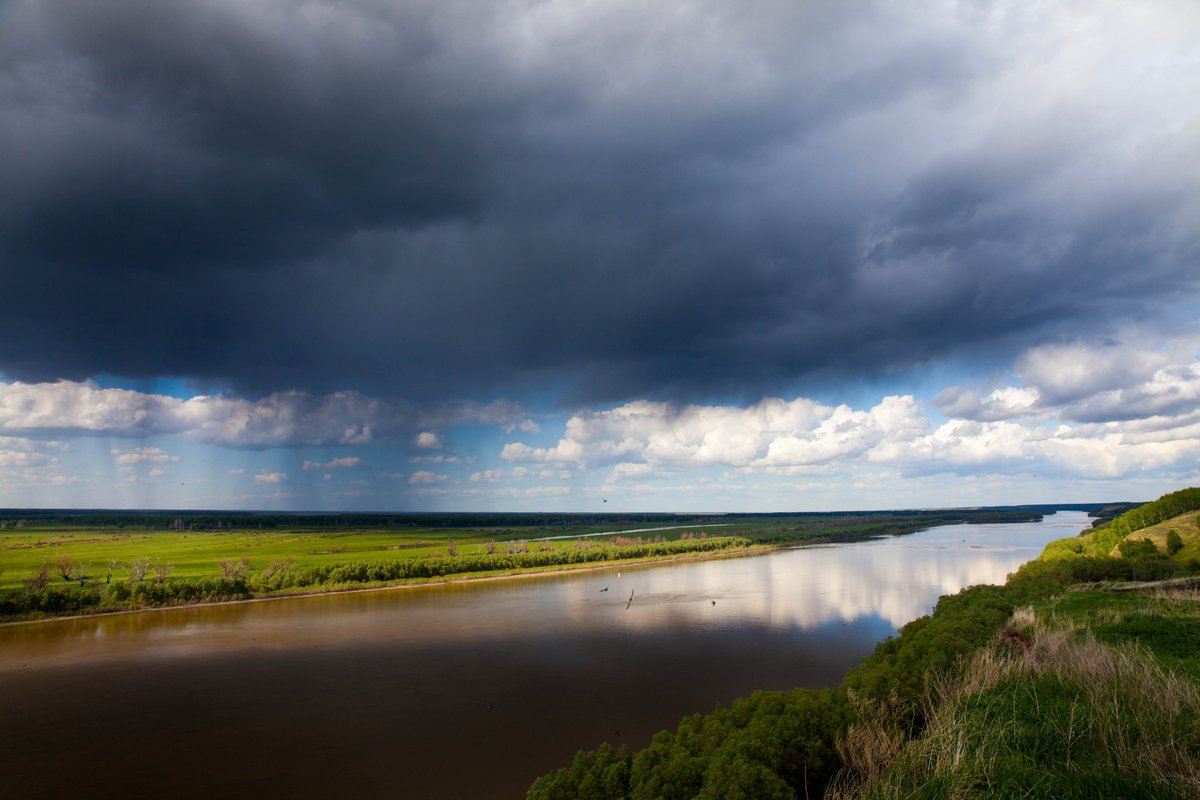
(1100,704)
(869,747)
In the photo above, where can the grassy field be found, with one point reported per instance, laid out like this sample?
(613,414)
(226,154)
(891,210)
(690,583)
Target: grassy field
(1057,708)
(198,554)
(100,553)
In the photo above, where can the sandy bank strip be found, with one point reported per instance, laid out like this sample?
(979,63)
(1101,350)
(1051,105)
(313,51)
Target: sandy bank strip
(419,583)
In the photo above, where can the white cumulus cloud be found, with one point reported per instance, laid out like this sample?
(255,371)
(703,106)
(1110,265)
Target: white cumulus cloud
(282,419)
(425,477)
(144,455)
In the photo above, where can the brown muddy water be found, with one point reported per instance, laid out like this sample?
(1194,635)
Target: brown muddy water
(466,690)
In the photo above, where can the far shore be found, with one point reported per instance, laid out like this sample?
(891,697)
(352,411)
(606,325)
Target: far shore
(426,582)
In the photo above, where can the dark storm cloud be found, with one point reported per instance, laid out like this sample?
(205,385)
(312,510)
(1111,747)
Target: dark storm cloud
(468,199)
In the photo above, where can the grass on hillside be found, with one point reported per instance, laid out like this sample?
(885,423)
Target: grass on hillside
(1094,694)
(1186,525)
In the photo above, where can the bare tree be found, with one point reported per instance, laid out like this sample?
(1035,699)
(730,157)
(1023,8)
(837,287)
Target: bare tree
(161,571)
(65,565)
(278,567)
(112,564)
(138,568)
(40,578)
(451,549)
(230,568)
(81,573)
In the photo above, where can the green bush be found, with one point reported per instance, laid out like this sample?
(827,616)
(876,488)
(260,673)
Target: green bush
(1137,548)
(769,745)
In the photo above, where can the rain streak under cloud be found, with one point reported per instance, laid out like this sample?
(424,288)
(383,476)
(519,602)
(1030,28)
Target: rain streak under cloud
(690,255)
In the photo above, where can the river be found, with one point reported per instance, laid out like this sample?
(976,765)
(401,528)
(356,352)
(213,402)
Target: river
(466,690)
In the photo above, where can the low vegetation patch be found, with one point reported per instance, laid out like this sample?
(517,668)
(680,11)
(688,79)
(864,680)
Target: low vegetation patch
(1045,712)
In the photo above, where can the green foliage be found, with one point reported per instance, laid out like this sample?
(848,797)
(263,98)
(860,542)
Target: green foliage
(1062,714)
(1033,736)
(1063,548)
(594,775)
(1175,541)
(933,645)
(1036,580)
(1137,548)
(1164,508)
(769,745)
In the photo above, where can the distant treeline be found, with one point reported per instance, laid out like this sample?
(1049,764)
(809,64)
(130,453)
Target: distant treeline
(219,520)
(858,526)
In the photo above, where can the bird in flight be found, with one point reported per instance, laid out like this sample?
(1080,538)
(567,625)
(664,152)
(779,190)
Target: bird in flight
(627,605)
(605,589)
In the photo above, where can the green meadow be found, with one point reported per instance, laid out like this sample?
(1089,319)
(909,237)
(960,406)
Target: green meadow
(198,554)
(85,562)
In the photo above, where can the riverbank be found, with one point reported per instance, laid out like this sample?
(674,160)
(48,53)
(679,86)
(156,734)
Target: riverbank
(30,604)
(302,563)
(953,705)
(419,583)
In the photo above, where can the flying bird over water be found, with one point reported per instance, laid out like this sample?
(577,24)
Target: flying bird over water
(627,605)
(605,589)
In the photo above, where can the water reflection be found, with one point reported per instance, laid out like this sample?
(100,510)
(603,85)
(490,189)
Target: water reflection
(508,677)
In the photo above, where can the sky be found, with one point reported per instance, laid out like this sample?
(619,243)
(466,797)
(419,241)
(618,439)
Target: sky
(598,255)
